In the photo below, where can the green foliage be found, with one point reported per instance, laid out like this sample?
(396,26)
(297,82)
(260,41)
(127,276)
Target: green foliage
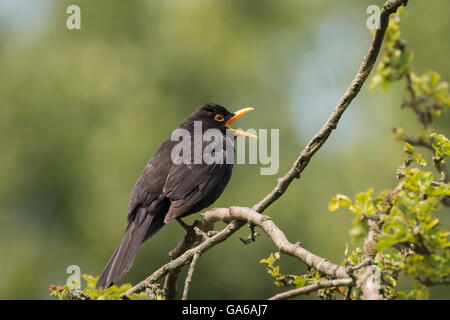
(352,258)
(395,62)
(441,146)
(280,279)
(428,86)
(60,293)
(363,204)
(289,280)
(417,157)
(90,293)
(429,95)
(419,292)
(411,239)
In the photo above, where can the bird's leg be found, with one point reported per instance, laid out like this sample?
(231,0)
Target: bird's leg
(189,229)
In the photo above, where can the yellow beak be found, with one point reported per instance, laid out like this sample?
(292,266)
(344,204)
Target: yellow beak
(237,115)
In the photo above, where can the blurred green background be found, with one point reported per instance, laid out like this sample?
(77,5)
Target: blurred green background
(82,111)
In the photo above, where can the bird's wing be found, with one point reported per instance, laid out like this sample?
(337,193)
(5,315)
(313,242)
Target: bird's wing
(187,184)
(148,187)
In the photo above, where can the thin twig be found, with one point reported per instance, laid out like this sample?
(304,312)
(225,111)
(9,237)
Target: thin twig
(363,263)
(189,276)
(441,167)
(420,142)
(312,287)
(170,284)
(429,282)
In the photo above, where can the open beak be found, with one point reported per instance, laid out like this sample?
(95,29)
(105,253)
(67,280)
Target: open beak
(237,115)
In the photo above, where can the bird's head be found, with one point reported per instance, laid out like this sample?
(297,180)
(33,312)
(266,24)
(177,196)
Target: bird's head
(218,117)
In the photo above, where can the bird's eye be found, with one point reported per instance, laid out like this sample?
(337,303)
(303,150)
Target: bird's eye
(218,118)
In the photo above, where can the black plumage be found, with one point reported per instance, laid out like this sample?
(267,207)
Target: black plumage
(167,190)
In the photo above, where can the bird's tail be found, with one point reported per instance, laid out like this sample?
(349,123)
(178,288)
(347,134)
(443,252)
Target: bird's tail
(137,231)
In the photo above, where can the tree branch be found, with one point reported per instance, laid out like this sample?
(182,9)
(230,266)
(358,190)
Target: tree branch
(365,272)
(319,139)
(243,215)
(366,276)
(283,183)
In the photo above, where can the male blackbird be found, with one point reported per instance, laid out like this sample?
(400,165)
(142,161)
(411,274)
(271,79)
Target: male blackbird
(168,189)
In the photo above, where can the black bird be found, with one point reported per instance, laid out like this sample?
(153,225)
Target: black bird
(168,190)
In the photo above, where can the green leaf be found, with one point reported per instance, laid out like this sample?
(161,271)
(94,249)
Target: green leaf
(299,281)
